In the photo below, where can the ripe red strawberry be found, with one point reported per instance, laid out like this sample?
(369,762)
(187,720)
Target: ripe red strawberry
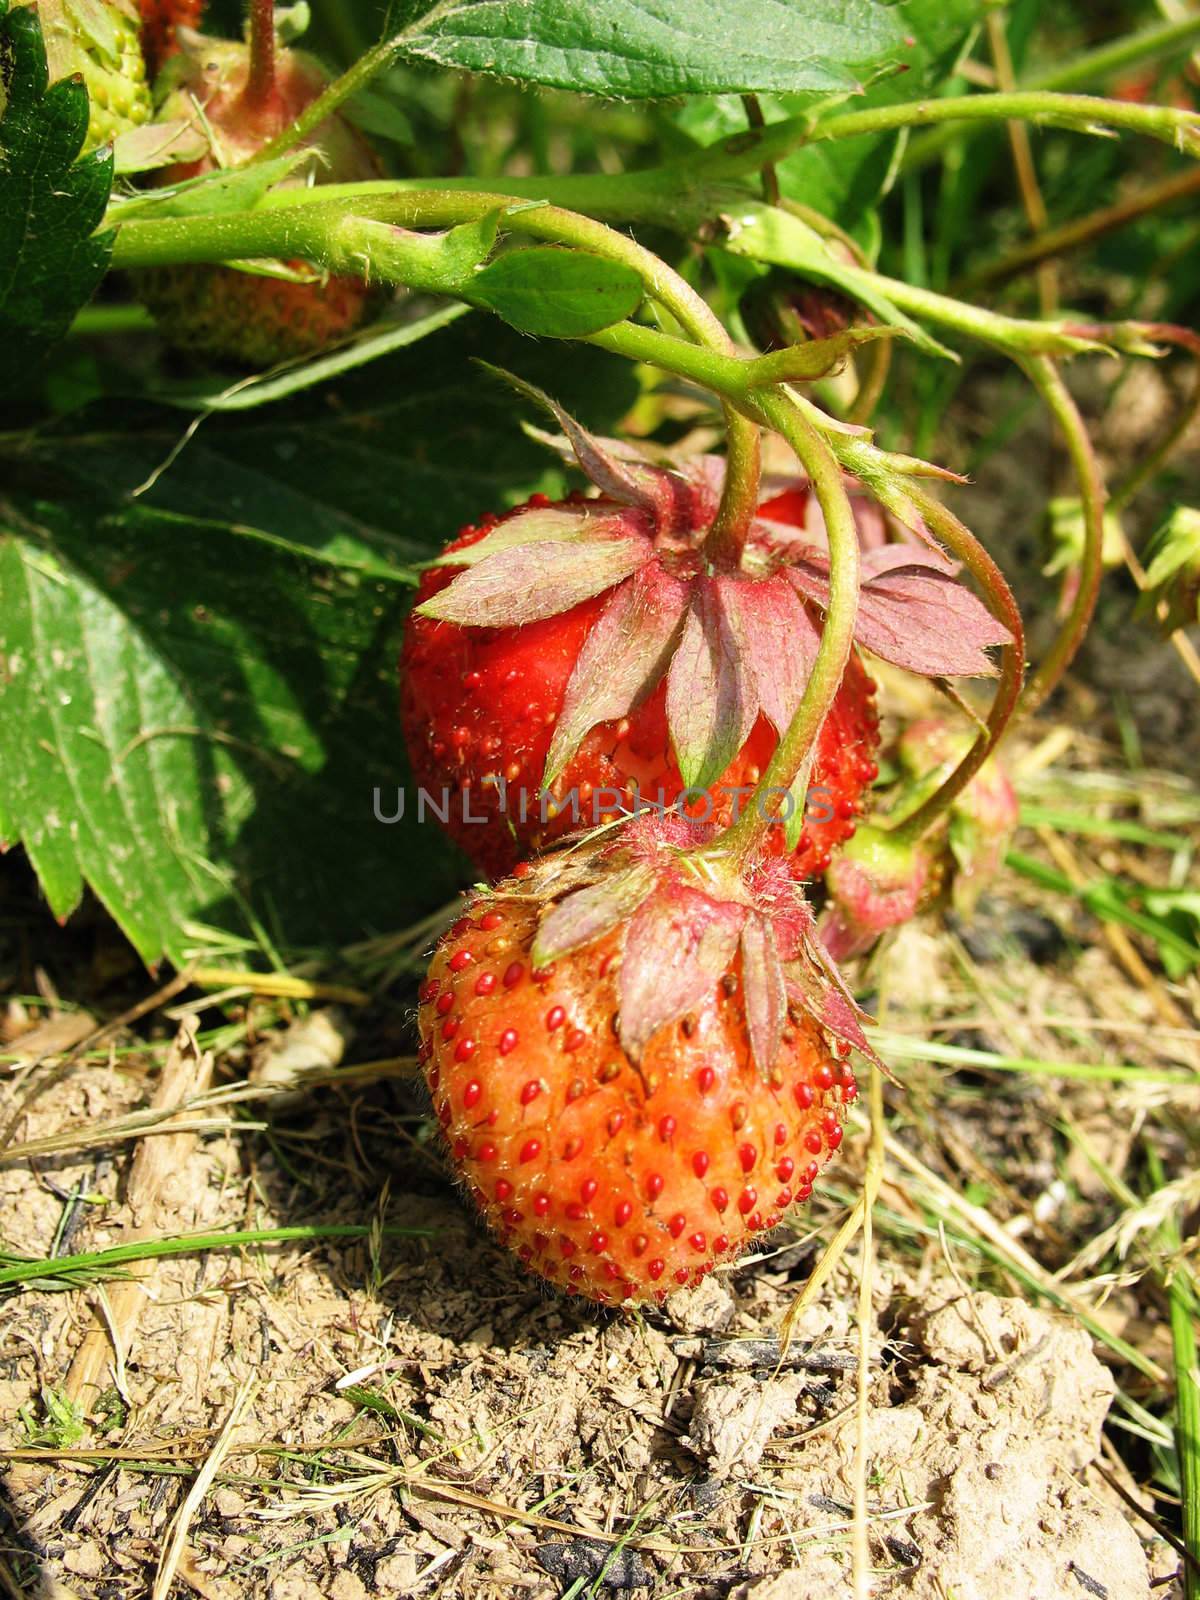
(591,647)
(247,95)
(638,1067)
(483,702)
(160,21)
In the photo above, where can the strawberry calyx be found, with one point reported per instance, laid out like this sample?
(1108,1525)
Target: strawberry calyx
(734,639)
(664,885)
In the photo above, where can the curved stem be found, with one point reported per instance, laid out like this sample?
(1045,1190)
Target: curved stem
(1046,378)
(837,637)
(963,544)
(331,234)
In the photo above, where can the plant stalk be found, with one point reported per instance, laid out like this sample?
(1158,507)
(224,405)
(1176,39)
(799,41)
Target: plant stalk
(260,84)
(1047,380)
(763,809)
(964,545)
(1093,67)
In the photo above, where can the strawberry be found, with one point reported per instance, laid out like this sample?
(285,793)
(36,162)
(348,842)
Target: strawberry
(247,95)
(637,1056)
(876,883)
(589,647)
(99,40)
(879,881)
(160,21)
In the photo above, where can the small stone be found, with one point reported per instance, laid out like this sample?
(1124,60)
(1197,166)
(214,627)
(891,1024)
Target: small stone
(397,1573)
(708,1308)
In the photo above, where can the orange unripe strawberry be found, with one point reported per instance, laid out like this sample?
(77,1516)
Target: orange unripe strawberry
(631,1106)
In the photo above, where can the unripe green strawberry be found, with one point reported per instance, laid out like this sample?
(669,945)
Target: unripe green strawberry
(248,95)
(99,39)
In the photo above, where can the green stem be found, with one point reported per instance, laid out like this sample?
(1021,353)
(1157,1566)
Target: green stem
(1013,335)
(1046,378)
(1083,112)
(1093,67)
(963,544)
(837,636)
(344,236)
(1186,1362)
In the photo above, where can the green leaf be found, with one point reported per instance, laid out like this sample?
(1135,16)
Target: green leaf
(844,179)
(191,724)
(50,259)
(372,475)
(199,688)
(561,294)
(654,49)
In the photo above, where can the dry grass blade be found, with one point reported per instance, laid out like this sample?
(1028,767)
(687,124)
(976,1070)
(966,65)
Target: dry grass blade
(194,1113)
(181,1522)
(984,1227)
(187,1070)
(874,1177)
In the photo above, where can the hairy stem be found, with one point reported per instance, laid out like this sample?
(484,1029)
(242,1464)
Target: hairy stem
(1046,378)
(330,233)
(260,84)
(1083,112)
(1091,68)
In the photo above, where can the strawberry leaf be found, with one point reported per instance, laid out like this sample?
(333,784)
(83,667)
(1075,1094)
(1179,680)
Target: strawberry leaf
(766,997)
(527,582)
(712,701)
(51,259)
(560,294)
(634,50)
(914,613)
(623,658)
(189,718)
(701,935)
